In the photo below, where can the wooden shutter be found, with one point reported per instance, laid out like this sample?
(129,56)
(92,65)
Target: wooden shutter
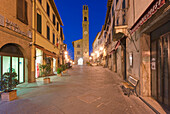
(20,10)
(26,18)
(39,23)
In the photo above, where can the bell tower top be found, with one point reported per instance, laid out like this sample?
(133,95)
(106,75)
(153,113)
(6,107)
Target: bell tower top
(85,13)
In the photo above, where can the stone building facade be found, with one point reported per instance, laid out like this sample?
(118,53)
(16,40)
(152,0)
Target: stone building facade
(81,46)
(138,44)
(47,42)
(15,38)
(149,28)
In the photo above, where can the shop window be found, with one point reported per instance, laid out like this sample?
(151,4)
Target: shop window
(48,9)
(15,65)
(7,66)
(22,11)
(39,23)
(48,33)
(21,70)
(53,19)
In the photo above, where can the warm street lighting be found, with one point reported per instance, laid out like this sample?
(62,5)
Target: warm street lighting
(101,48)
(90,58)
(65,52)
(96,52)
(92,54)
(73,63)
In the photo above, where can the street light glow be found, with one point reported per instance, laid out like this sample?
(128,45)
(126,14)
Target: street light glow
(65,52)
(92,54)
(101,48)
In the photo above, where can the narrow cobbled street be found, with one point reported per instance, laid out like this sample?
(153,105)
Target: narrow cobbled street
(86,90)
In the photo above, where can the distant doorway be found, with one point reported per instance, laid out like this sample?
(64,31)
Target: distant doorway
(80,61)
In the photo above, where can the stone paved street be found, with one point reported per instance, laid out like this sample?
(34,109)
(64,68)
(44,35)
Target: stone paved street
(88,90)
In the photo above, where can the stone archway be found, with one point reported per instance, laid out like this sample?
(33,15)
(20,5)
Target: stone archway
(12,60)
(80,61)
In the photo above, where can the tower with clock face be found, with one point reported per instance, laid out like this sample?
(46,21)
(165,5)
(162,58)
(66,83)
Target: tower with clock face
(81,46)
(85,26)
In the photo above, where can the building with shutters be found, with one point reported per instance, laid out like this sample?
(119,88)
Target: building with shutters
(81,46)
(47,42)
(15,38)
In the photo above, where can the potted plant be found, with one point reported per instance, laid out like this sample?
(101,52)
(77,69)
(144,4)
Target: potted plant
(45,71)
(59,70)
(42,69)
(8,83)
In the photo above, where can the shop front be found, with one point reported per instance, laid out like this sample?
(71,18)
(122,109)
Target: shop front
(44,57)
(12,60)
(160,64)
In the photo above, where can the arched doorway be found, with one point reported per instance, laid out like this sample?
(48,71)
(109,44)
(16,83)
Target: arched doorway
(80,61)
(12,60)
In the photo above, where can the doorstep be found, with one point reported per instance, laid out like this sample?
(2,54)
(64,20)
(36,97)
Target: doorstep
(154,105)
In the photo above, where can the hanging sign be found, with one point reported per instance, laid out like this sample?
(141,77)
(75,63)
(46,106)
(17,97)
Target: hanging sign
(155,5)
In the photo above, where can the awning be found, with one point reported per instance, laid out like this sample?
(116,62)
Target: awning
(48,53)
(115,48)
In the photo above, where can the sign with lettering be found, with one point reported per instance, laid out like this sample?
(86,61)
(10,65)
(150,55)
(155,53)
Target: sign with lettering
(1,20)
(12,26)
(155,5)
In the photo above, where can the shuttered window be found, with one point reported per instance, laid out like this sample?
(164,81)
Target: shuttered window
(53,38)
(22,11)
(57,26)
(53,19)
(39,23)
(48,9)
(48,33)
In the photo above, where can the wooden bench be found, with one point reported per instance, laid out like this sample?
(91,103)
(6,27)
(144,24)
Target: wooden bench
(130,86)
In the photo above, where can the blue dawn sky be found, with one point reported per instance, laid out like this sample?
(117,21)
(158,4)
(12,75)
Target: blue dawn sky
(71,15)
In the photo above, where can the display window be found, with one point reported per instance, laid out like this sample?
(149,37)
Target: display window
(38,62)
(12,60)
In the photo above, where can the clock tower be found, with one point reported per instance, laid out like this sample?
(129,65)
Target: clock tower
(85,26)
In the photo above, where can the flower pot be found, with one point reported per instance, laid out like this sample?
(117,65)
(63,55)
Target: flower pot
(59,74)
(9,96)
(65,71)
(46,80)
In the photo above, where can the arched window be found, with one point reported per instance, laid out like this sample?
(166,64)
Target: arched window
(85,18)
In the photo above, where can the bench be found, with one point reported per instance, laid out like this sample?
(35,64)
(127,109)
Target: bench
(130,86)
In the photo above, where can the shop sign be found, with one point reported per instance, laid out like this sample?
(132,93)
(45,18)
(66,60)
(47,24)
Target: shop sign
(147,14)
(153,64)
(12,26)
(1,20)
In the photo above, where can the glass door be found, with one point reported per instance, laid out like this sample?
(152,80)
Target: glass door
(15,65)
(21,70)
(6,64)
(154,70)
